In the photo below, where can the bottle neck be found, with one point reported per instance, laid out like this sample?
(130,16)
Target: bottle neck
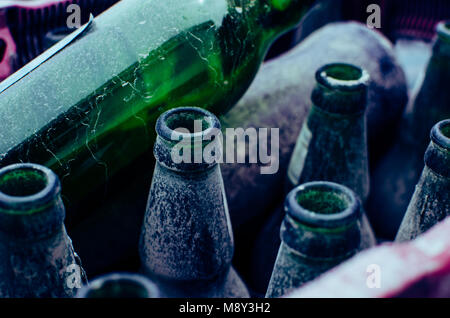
(322,221)
(437,156)
(30,202)
(431,102)
(269,19)
(441,45)
(341,89)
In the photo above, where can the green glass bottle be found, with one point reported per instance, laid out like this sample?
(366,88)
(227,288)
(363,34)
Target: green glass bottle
(120,285)
(321,229)
(186,244)
(332,145)
(393,180)
(430,203)
(36,254)
(88,112)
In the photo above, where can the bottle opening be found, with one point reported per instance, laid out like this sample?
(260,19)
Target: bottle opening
(123,288)
(187,122)
(443,30)
(120,286)
(342,76)
(23,182)
(323,204)
(322,201)
(26,186)
(440,134)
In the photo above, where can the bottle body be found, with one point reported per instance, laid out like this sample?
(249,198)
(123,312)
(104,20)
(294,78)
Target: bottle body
(37,256)
(322,228)
(430,202)
(186,244)
(399,171)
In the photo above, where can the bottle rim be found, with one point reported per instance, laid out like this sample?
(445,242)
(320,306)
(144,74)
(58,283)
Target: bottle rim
(443,30)
(332,76)
(146,287)
(168,133)
(440,134)
(350,213)
(23,203)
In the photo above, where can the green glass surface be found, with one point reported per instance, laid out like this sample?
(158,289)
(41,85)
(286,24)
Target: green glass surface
(89,111)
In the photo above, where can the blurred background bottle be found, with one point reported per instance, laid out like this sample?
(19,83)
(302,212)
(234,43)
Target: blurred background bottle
(393,181)
(430,203)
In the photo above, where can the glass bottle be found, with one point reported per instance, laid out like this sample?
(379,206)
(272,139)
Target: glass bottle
(119,285)
(186,244)
(321,229)
(332,145)
(430,203)
(394,178)
(36,254)
(87,110)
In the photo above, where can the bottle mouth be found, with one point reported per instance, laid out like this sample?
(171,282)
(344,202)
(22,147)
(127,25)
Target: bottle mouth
(27,185)
(342,76)
(120,286)
(187,122)
(323,204)
(440,134)
(443,30)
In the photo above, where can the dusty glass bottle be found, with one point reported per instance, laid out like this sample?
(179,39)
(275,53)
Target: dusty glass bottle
(119,285)
(36,254)
(88,111)
(186,244)
(321,229)
(394,179)
(332,145)
(430,203)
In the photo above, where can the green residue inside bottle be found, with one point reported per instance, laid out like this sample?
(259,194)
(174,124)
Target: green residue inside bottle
(322,202)
(22,183)
(446,131)
(343,72)
(280,4)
